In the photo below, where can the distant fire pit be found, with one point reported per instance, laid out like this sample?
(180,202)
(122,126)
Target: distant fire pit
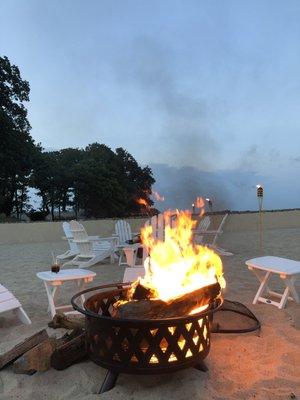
(142,346)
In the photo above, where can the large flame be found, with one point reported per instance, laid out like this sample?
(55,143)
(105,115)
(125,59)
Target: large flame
(176,266)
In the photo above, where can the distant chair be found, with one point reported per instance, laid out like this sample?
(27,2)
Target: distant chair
(132,274)
(125,236)
(202,231)
(158,223)
(73,251)
(8,302)
(92,249)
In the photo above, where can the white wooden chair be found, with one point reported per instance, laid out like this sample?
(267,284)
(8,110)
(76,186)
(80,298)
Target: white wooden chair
(74,250)
(8,302)
(124,234)
(92,249)
(288,270)
(202,230)
(158,223)
(132,274)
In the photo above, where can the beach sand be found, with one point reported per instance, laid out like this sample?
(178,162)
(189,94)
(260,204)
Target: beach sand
(262,365)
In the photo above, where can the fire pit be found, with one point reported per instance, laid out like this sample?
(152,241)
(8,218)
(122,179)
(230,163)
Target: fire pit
(142,346)
(161,322)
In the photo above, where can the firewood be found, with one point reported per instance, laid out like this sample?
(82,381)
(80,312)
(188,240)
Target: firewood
(155,309)
(141,292)
(39,357)
(69,353)
(67,322)
(36,359)
(21,348)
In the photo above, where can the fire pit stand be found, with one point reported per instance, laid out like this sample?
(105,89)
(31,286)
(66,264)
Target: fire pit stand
(140,346)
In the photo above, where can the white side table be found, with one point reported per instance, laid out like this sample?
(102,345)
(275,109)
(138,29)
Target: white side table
(288,270)
(53,281)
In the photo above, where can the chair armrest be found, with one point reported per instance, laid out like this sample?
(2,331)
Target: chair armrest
(131,246)
(100,239)
(81,241)
(206,232)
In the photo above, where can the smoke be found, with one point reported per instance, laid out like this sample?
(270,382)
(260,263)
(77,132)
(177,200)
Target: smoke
(184,141)
(255,158)
(172,183)
(184,134)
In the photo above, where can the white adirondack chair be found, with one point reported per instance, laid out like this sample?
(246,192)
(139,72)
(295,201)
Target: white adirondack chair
(202,230)
(131,274)
(74,250)
(158,223)
(124,234)
(8,302)
(123,231)
(92,249)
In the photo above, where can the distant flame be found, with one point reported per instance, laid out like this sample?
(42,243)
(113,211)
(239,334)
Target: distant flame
(200,202)
(157,196)
(142,202)
(176,266)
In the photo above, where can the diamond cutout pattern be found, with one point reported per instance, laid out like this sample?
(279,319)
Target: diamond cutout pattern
(146,344)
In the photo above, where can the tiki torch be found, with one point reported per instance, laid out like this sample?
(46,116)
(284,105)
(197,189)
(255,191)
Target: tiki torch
(260,197)
(209,202)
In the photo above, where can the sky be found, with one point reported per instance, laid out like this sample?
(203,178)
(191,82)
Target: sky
(205,92)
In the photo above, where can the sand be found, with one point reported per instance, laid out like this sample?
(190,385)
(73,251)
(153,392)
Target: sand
(263,365)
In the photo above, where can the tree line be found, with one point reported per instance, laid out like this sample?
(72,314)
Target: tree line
(95,181)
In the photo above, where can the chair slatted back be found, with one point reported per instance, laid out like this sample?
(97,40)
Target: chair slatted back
(203,226)
(123,230)
(69,236)
(204,223)
(159,223)
(81,239)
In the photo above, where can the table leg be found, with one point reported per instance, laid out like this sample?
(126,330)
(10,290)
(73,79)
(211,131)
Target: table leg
(50,295)
(263,285)
(80,286)
(131,254)
(53,294)
(284,298)
(289,282)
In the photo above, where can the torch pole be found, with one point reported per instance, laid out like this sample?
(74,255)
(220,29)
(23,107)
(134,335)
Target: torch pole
(260,196)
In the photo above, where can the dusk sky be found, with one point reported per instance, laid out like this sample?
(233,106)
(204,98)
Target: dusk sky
(213,85)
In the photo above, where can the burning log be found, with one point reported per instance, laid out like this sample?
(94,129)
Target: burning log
(155,309)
